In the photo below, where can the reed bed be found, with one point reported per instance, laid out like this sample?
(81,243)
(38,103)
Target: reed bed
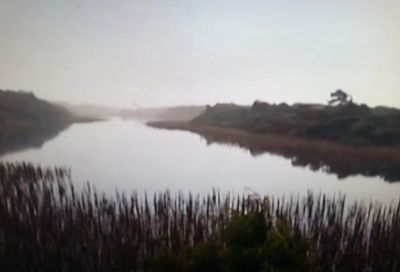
(46,224)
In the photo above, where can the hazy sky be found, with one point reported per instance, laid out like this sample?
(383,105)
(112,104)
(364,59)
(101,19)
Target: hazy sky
(164,52)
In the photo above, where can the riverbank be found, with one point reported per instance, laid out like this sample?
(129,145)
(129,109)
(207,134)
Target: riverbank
(331,157)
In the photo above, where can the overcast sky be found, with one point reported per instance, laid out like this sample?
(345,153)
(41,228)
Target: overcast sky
(165,52)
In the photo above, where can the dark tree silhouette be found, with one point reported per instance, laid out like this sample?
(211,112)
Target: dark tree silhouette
(340,98)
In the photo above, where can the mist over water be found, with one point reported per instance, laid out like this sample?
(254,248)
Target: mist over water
(128,156)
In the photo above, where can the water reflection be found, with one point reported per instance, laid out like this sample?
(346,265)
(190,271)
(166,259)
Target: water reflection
(342,162)
(128,156)
(35,139)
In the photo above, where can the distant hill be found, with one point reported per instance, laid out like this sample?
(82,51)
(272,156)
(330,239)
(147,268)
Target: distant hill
(351,123)
(91,110)
(177,113)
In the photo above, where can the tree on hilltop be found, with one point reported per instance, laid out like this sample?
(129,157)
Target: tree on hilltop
(340,98)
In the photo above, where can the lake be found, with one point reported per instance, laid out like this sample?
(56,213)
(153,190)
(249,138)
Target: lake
(128,156)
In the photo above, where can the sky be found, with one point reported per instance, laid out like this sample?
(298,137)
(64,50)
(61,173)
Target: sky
(175,52)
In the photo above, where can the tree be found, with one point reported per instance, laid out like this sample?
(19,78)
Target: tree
(340,98)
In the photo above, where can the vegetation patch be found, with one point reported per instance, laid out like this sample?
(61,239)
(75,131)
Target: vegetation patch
(341,121)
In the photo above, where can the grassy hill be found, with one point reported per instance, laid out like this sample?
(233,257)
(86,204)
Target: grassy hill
(350,124)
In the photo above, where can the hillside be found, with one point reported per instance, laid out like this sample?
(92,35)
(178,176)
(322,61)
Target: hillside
(350,124)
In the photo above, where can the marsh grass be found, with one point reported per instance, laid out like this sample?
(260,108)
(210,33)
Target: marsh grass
(47,225)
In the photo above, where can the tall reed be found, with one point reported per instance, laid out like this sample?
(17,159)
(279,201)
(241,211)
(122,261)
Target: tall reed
(46,224)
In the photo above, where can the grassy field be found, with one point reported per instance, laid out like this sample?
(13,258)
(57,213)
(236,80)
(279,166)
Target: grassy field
(47,225)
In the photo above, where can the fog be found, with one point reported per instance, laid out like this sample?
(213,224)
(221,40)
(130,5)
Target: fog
(155,53)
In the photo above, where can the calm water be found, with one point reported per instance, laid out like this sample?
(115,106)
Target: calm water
(128,156)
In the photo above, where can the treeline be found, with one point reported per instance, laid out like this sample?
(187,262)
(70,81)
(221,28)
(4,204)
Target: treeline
(347,123)
(48,225)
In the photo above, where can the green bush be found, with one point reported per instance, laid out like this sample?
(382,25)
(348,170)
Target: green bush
(285,252)
(253,244)
(207,257)
(168,262)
